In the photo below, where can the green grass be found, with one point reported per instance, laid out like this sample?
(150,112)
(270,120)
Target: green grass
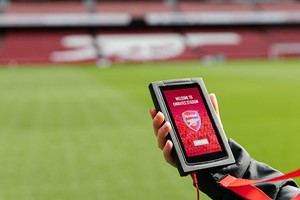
(85,133)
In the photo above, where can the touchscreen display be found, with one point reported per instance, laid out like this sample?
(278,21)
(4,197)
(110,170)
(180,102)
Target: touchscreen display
(192,121)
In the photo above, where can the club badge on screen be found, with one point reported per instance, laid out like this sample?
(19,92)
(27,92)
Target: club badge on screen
(192,119)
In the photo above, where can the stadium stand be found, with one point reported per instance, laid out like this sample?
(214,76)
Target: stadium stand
(287,6)
(73,31)
(34,46)
(285,42)
(231,42)
(286,34)
(45,7)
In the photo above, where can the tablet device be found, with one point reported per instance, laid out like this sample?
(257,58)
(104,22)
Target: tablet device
(196,132)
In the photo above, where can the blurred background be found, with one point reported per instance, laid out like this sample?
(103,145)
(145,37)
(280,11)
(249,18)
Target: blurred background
(74,102)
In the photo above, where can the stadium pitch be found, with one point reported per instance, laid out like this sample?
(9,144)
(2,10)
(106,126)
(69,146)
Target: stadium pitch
(74,133)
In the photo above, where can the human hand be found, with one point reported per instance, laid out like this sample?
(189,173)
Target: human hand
(162,129)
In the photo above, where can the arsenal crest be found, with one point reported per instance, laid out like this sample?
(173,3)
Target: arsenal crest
(192,119)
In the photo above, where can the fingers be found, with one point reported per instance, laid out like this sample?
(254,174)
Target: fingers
(162,134)
(158,120)
(214,102)
(167,153)
(153,112)
(161,131)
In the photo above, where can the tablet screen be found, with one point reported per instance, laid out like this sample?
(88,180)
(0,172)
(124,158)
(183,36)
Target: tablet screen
(193,122)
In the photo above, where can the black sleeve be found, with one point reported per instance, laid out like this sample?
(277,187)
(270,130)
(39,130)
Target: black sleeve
(247,168)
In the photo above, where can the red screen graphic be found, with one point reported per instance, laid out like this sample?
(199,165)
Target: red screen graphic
(192,121)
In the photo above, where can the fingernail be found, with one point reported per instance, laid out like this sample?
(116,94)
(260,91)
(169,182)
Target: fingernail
(156,116)
(166,125)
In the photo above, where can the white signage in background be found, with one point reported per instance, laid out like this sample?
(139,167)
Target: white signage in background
(201,39)
(141,47)
(138,47)
(81,49)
